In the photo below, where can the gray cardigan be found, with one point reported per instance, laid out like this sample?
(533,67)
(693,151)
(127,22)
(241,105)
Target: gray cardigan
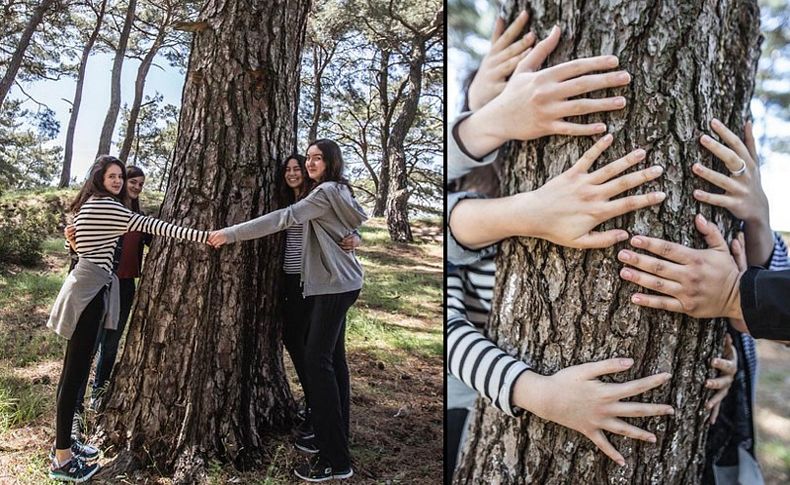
(329,214)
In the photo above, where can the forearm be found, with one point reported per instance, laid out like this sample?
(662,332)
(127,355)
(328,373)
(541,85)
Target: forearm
(160,228)
(477,223)
(260,226)
(759,242)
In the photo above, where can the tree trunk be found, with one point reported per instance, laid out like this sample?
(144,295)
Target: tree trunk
(105,139)
(65,174)
(382,191)
(312,133)
(21,47)
(139,86)
(556,307)
(201,376)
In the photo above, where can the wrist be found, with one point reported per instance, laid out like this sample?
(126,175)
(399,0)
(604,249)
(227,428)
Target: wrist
(734,301)
(525,215)
(529,390)
(481,132)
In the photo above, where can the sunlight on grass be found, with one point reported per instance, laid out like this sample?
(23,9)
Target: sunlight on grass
(776,452)
(30,286)
(20,401)
(370,333)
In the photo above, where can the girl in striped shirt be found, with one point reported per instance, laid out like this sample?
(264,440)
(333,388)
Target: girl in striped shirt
(89,298)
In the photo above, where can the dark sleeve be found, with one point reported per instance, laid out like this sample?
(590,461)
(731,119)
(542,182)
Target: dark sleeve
(765,302)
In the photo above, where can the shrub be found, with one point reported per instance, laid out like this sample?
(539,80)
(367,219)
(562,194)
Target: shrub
(22,232)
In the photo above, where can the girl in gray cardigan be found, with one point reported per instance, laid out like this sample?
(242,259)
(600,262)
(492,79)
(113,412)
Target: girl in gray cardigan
(332,281)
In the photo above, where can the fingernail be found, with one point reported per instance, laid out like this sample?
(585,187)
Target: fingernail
(702,219)
(625,273)
(621,462)
(697,193)
(670,410)
(600,127)
(715,122)
(637,241)
(640,154)
(626,362)
(635,299)
(706,139)
(612,61)
(622,236)
(556,28)
(619,102)
(659,196)
(624,77)
(651,439)
(608,137)
(624,256)
(656,170)
(708,383)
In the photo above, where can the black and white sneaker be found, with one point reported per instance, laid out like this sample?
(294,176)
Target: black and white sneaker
(308,445)
(77,426)
(80,450)
(305,430)
(74,470)
(319,470)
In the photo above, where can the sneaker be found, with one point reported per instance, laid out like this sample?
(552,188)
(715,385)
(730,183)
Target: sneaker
(305,430)
(319,471)
(74,470)
(80,450)
(307,445)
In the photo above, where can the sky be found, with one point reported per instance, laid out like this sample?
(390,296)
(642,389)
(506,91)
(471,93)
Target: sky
(96,99)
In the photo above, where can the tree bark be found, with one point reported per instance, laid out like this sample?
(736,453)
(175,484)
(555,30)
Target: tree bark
(139,84)
(382,191)
(65,174)
(21,47)
(105,139)
(556,307)
(201,376)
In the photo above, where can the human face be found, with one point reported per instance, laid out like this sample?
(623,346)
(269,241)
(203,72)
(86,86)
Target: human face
(293,174)
(113,179)
(315,164)
(134,186)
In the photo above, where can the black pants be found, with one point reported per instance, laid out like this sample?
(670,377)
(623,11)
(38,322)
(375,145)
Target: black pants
(76,367)
(456,419)
(107,343)
(327,375)
(296,318)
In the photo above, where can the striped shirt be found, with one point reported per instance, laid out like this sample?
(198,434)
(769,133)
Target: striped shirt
(293,249)
(102,220)
(471,356)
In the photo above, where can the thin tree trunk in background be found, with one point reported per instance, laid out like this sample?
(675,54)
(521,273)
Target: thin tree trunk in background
(556,307)
(19,53)
(382,192)
(105,139)
(65,174)
(201,376)
(139,86)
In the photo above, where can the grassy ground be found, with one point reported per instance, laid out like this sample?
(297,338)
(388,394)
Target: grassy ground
(394,346)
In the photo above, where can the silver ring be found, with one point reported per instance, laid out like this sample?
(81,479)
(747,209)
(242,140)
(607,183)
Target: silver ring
(741,170)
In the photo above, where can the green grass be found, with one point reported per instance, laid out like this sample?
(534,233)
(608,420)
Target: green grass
(776,451)
(29,286)
(388,341)
(21,402)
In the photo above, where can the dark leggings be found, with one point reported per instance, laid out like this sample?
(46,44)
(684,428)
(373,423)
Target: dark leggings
(107,343)
(327,375)
(296,318)
(76,367)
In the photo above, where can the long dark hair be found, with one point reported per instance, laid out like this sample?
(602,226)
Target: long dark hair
(133,171)
(94,184)
(285,194)
(333,160)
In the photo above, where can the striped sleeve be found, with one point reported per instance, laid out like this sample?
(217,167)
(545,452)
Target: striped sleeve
(474,358)
(138,222)
(779,260)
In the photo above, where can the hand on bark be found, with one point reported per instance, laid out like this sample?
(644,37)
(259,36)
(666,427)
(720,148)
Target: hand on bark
(573,203)
(728,365)
(535,102)
(702,283)
(217,238)
(576,399)
(350,242)
(508,47)
(743,194)
(70,233)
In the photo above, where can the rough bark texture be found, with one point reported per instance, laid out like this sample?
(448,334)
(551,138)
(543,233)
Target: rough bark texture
(139,83)
(68,151)
(21,48)
(387,111)
(105,139)
(555,307)
(201,374)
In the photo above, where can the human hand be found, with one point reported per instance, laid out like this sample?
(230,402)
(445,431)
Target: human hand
(350,242)
(508,47)
(70,233)
(743,194)
(576,399)
(702,283)
(728,365)
(217,238)
(535,102)
(573,203)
